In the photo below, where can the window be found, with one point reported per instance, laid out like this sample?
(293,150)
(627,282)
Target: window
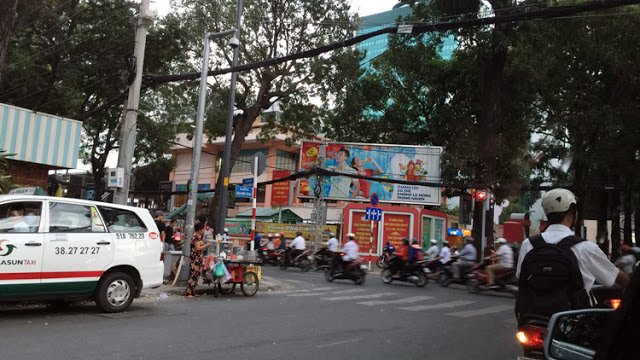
(120,220)
(244,161)
(64,217)
(286,160)
(20,217)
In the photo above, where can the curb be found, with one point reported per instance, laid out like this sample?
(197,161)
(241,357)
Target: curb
(267,284)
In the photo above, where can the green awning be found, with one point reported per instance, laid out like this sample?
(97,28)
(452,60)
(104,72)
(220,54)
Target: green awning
(182,210)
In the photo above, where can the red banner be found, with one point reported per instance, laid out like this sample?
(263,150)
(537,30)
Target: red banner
(280,190)
(396,227)
(362,229)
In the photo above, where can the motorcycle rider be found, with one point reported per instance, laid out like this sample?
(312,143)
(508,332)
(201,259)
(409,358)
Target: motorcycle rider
(560,207)
(351,252)
(434,250)
(297,245)
(415,254)
(279,242)
(504,255)
(442,259)
(467,258)
(270,245)
(332,243)
(402,257)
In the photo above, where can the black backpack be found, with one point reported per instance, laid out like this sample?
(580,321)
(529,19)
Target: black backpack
(550,280)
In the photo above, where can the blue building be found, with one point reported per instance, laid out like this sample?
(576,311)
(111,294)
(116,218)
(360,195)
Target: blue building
(375,46)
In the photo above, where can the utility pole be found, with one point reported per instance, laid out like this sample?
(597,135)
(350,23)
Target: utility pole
(192,201)
(226,169)
(127,139)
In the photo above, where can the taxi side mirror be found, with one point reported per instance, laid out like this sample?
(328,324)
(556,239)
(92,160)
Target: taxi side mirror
(576,334)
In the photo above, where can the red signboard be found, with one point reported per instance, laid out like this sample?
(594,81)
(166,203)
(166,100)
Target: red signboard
(396,227)
(280,190)
(362,229)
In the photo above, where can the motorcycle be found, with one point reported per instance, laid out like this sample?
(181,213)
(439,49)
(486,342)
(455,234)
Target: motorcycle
(356,273)
(322,259)
(446,278)
(414,273)
(477,280)
(301,261)
(387,253)
(531,335)
(270,256)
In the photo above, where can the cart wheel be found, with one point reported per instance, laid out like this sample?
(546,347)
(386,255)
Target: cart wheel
(227,288)
(250,284)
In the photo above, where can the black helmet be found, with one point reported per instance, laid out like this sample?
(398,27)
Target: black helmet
(405,241)
(414,241)
(299,233)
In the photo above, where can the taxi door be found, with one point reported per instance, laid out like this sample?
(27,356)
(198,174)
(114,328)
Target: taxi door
(78,249)
(21,248)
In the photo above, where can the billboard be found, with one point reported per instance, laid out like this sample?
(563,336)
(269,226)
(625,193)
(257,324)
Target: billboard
(280,190)
(399,162)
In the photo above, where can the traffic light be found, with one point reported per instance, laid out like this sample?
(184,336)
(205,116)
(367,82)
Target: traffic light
(481,196)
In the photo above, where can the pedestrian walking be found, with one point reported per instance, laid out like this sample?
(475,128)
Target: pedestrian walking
(198,245)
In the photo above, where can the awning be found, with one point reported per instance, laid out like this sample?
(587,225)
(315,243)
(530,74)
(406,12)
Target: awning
(182,210)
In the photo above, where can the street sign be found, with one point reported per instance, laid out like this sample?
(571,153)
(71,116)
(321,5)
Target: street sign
(262,163)
(244,192)
(373,214)
(374,199)
(247,182)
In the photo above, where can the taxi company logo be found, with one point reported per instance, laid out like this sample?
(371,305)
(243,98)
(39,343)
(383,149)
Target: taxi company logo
(6,249)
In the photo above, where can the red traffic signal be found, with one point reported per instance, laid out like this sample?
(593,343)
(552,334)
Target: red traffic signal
(481,196)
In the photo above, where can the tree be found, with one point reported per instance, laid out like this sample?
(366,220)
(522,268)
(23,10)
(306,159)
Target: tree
(7,13)
(5,178)
(70,57)
(270,29)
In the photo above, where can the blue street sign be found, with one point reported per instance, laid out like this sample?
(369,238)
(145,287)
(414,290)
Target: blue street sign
(374,199)
(373,214)
(247,182)
(244,192)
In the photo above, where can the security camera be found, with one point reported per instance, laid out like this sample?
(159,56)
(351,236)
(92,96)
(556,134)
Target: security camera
(234,42)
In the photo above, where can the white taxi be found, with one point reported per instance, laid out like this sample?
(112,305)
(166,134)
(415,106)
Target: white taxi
(60,249)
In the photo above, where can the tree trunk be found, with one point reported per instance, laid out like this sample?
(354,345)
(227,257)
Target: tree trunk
(636,219)
(489,122)
(7,14)
(602,235)
(615,225)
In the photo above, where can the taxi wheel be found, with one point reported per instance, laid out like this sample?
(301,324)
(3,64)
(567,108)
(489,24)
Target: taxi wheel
(114,292)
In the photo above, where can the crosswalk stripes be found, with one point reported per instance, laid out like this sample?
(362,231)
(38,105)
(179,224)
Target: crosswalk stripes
(409,300)
(357,297)
(374,299)
(446,305)
(485,311)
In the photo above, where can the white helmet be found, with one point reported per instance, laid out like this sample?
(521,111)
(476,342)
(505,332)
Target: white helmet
(226,230)
(269,235)
(433,241)
(351,235)
(501,241)
(558,201)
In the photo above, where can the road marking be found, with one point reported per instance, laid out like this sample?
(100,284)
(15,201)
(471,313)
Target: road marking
(356,297)
(451,304)
(308,294)
(485,311)
(409,300)
(350,291)
(339,343)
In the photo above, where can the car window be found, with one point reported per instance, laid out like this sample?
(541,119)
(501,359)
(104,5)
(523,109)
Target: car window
(120,220)
(20,217)
(65,217)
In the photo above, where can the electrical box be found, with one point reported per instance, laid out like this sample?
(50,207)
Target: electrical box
(115,177)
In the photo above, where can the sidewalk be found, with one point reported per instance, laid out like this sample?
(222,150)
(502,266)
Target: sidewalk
(267,284)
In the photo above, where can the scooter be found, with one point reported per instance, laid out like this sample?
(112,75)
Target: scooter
(531,335)
(322,259)
(355,272)
(301,261)
(446,278)
(477,280)
(270,256)
(416,274)
(387,253)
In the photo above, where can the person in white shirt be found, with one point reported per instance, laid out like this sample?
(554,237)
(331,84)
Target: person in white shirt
(434,250)
(504,255)
(270,244)
(351,251)
(559,206)
(332,243)
(297,245)
(445,253)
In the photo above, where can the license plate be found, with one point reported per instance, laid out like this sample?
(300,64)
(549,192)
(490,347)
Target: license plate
(426,270)
(363,267)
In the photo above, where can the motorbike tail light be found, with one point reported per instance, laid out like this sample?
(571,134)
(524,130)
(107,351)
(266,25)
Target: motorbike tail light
(614,303)
(531,337)
(342,254)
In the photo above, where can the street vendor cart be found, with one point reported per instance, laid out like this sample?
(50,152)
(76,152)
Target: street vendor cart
(246,273)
